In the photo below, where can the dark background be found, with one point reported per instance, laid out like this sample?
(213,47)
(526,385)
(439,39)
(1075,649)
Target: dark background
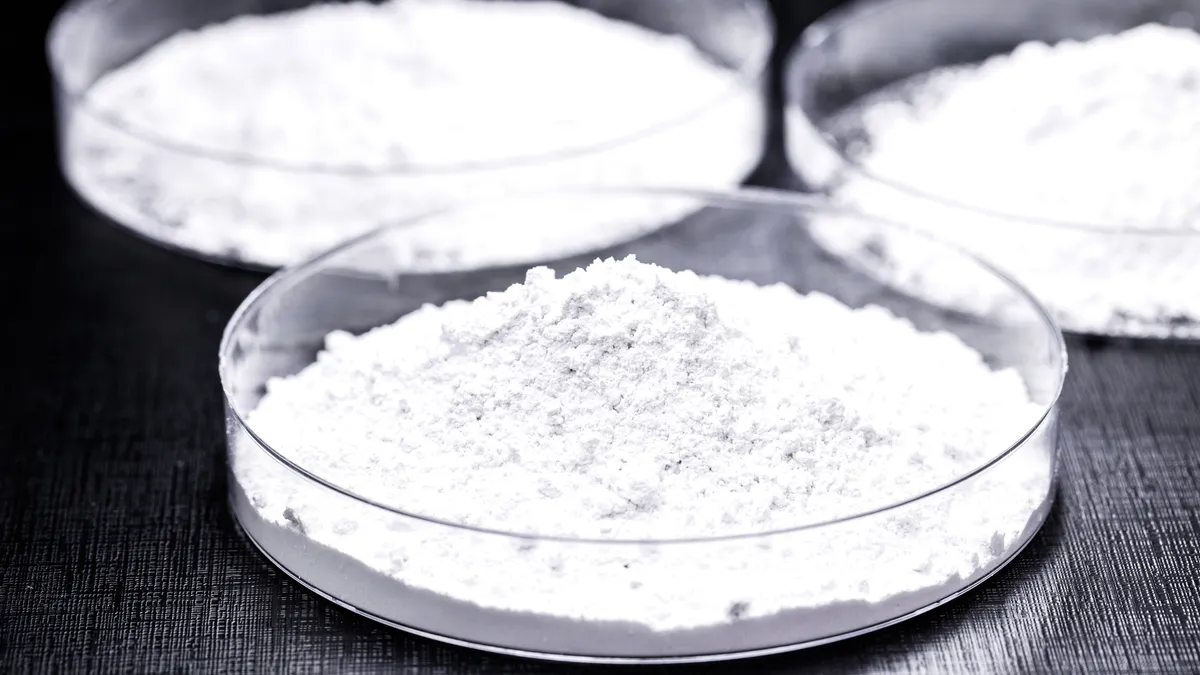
(117,553)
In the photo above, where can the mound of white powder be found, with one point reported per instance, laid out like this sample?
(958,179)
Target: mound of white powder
(1099,135)
(627,401)
(267,139)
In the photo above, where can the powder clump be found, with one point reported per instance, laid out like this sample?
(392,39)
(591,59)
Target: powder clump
(625,401)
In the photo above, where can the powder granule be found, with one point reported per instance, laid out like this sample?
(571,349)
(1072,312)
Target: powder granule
(628,401)
(267,139)
(1099,136)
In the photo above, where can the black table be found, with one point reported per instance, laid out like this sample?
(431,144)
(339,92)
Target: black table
(118,554)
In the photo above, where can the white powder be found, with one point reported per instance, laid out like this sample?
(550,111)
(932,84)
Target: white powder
(1100,134)
(626,401)
(314,125)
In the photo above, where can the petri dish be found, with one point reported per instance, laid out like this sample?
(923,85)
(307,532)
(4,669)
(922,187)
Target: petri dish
(264,212)
(630,601)
(1095,278)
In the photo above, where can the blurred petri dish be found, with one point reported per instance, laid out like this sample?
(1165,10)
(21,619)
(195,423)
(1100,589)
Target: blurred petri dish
(264,212)
(1095,278)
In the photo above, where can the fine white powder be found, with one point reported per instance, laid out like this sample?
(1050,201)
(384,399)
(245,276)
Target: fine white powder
(627,401)
(1100,136)
(272,138)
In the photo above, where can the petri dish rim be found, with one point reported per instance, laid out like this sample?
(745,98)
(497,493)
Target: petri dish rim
(763,198)
(754,72)
(829,27)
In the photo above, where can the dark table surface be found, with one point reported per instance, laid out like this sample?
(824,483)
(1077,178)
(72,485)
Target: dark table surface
(118,554)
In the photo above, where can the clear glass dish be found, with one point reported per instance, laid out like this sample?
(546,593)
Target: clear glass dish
(185,197)
(503,591)
(1095,279)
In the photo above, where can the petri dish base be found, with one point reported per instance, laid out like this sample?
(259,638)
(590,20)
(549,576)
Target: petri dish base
(438,617)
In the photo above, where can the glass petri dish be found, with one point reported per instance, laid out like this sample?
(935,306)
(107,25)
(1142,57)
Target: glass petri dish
(743,595)
(1095,278)
(263,213)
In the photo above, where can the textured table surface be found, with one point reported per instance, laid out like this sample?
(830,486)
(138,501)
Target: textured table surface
(118,554)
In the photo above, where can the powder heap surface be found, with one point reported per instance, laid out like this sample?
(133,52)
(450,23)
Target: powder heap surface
(626,400)
(1098,136)
(267,139)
